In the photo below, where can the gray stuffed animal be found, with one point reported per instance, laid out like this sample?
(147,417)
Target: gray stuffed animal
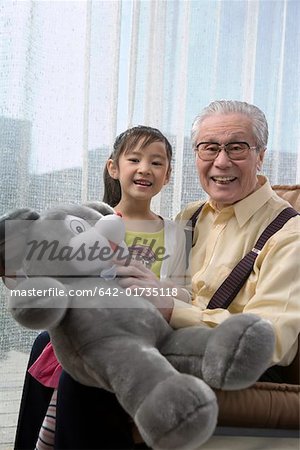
(62,265)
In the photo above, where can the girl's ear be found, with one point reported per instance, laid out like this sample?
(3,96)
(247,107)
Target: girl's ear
(112,169)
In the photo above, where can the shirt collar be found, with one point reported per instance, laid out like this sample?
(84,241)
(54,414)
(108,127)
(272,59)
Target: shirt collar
(247,207)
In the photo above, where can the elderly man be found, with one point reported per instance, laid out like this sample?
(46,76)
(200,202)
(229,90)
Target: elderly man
(229,139)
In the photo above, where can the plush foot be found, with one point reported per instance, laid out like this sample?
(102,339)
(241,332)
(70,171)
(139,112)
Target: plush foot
(180,413)
(184,349)
(238,352)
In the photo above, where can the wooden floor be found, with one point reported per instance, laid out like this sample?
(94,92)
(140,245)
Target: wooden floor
(12,370)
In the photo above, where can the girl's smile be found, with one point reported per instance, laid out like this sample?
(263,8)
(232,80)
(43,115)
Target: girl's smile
(143,183)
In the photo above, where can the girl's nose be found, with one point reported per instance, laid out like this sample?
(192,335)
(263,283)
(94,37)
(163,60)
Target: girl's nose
(144,167)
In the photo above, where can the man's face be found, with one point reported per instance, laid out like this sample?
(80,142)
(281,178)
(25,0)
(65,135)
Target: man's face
(226,181)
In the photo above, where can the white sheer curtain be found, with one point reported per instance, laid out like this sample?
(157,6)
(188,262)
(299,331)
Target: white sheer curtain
(75,73)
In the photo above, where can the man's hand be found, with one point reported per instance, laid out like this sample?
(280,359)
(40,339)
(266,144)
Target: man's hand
(138,278)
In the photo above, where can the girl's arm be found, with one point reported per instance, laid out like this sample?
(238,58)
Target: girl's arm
(173,271)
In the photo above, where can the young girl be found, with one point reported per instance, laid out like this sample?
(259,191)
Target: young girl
(137,170)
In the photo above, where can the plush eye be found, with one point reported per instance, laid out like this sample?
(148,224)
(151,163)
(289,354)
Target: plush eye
(77,226)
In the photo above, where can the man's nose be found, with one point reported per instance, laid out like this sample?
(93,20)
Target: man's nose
(222,160)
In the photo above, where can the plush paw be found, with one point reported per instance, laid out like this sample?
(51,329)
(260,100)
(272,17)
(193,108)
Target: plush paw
(238,352)
(180,413)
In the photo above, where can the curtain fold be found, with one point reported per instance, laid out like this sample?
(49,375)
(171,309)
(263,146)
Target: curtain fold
(180,101)
(279,92)
(251,25)
(133,61)
(86,105)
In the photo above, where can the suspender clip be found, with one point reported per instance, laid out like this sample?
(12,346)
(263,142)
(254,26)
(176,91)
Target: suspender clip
(255,250)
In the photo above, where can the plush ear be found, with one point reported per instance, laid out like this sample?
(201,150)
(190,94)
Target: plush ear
(101,207)
(14,228)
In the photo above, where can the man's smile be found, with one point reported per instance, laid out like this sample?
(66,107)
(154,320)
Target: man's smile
(223,179)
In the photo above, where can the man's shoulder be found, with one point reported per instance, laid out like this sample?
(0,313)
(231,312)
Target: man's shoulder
(187,212)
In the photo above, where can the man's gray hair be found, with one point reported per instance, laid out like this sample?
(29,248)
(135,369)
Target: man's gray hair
(257,117)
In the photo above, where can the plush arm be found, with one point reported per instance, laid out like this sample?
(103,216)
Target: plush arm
(39,303)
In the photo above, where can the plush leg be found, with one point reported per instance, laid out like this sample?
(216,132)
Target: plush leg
(185,348)
(180,413)
(239,352)
(171,410)
(230,356)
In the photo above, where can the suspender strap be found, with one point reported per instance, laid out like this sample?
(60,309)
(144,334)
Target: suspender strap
(194,217)
(237,278)
(189,232)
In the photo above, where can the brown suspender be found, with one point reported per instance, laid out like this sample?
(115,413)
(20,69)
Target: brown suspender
(239,275)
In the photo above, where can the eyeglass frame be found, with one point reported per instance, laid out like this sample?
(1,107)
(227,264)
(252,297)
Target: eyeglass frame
(223,146)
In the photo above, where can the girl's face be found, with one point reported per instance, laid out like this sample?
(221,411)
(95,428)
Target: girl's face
(142,172)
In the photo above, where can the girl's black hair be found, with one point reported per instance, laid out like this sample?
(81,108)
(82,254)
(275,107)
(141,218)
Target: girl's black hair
(125,141)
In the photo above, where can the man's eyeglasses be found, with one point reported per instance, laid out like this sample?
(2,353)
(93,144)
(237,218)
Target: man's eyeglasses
(236,151)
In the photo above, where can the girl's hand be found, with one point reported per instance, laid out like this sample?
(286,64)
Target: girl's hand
(136,271)
(138,278)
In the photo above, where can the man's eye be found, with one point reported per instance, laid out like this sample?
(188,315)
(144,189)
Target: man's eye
(235,148)
(212,148)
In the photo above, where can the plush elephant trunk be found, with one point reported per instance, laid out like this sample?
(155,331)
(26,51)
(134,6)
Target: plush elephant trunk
(95,248)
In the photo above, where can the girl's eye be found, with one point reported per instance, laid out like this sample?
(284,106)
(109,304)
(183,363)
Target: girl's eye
(157,163)
(135,160)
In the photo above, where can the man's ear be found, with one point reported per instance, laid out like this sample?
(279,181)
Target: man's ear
(14,229)
(112,169)
(260,158)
